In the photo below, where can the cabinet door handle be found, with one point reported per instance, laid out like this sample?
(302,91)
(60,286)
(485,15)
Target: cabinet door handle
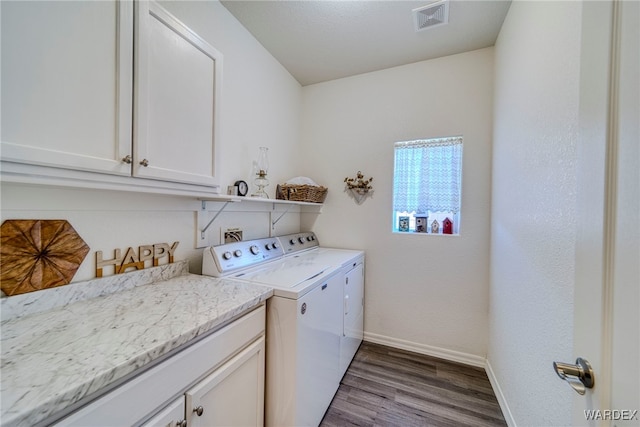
(144,162)
(182,423)
(127,159)
(199,411)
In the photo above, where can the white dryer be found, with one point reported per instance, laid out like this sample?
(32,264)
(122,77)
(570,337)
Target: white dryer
(305,246)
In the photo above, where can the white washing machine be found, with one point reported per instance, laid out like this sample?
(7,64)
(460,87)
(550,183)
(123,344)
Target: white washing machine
(307,346)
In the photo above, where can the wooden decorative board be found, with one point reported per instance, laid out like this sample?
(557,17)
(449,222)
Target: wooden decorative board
(38,254)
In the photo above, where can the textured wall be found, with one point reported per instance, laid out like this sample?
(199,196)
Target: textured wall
(429,293)
(533,228)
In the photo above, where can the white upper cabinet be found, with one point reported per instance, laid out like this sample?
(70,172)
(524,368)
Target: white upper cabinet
(177,85)
(67,84)
(83,93)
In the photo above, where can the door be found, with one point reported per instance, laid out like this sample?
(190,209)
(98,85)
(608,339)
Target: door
(66,84)
(233,395)
(606,320)
(171,416)
(178,78)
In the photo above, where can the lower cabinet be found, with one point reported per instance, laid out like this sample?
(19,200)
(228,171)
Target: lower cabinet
(171,416)
(217,381)
(233,395)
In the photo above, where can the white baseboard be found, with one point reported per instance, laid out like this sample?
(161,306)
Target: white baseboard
(442,353)
(502,400)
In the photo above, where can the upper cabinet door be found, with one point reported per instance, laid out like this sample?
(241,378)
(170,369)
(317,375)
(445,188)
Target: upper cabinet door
(67,84)
(177,89)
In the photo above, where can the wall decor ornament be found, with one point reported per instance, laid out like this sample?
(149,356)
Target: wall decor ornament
(359,187)
(421,224)
(403,223)
(38,254)
(447,226)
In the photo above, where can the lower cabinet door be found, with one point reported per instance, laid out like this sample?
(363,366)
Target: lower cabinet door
(171,416)
(233,395)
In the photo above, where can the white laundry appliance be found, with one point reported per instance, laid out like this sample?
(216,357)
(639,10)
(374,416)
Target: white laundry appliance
(310,340)
(351,262)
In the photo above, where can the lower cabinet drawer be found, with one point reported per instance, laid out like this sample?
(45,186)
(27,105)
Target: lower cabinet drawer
(144,394)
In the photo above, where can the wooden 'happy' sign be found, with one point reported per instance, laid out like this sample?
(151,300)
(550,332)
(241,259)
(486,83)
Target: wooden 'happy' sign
(145,256)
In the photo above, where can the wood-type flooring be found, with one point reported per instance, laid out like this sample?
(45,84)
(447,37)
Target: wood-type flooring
(385,386)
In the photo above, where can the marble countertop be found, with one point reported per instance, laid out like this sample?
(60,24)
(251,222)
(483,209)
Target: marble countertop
(55,357)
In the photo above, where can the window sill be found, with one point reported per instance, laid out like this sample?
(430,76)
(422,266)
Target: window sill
(413,233)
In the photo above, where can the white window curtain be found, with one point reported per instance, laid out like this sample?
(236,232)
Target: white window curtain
(428,175)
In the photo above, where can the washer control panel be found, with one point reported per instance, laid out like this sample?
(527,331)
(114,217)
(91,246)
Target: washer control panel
(296,242)
(221,260)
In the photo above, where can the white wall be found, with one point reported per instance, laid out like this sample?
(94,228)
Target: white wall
(427,293)
(260,106)
(533,228)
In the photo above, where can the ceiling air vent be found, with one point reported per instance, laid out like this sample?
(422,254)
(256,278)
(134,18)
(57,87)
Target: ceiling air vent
(431,15)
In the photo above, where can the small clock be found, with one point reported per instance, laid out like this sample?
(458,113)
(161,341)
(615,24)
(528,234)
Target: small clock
(243,188)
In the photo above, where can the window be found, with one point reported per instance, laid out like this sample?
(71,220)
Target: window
(427,183)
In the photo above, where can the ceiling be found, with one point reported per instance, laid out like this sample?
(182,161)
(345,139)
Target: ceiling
(321,40)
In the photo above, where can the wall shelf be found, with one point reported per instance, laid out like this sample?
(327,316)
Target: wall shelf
(225,198)
(203,223)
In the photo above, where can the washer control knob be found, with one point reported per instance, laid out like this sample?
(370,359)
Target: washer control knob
(292,241)
(237,253)
(301,239)
(267,246)
(309,238)
(226,255)
(254,249)
(274,245)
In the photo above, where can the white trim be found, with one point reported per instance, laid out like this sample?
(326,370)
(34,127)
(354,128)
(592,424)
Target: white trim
(124,85)
(610,208)
(42,175)
(502,400)
(442,353)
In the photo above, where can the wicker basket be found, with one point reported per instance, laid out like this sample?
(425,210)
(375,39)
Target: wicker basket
(301,193)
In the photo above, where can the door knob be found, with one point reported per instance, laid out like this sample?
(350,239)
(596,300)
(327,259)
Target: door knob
(579,376)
